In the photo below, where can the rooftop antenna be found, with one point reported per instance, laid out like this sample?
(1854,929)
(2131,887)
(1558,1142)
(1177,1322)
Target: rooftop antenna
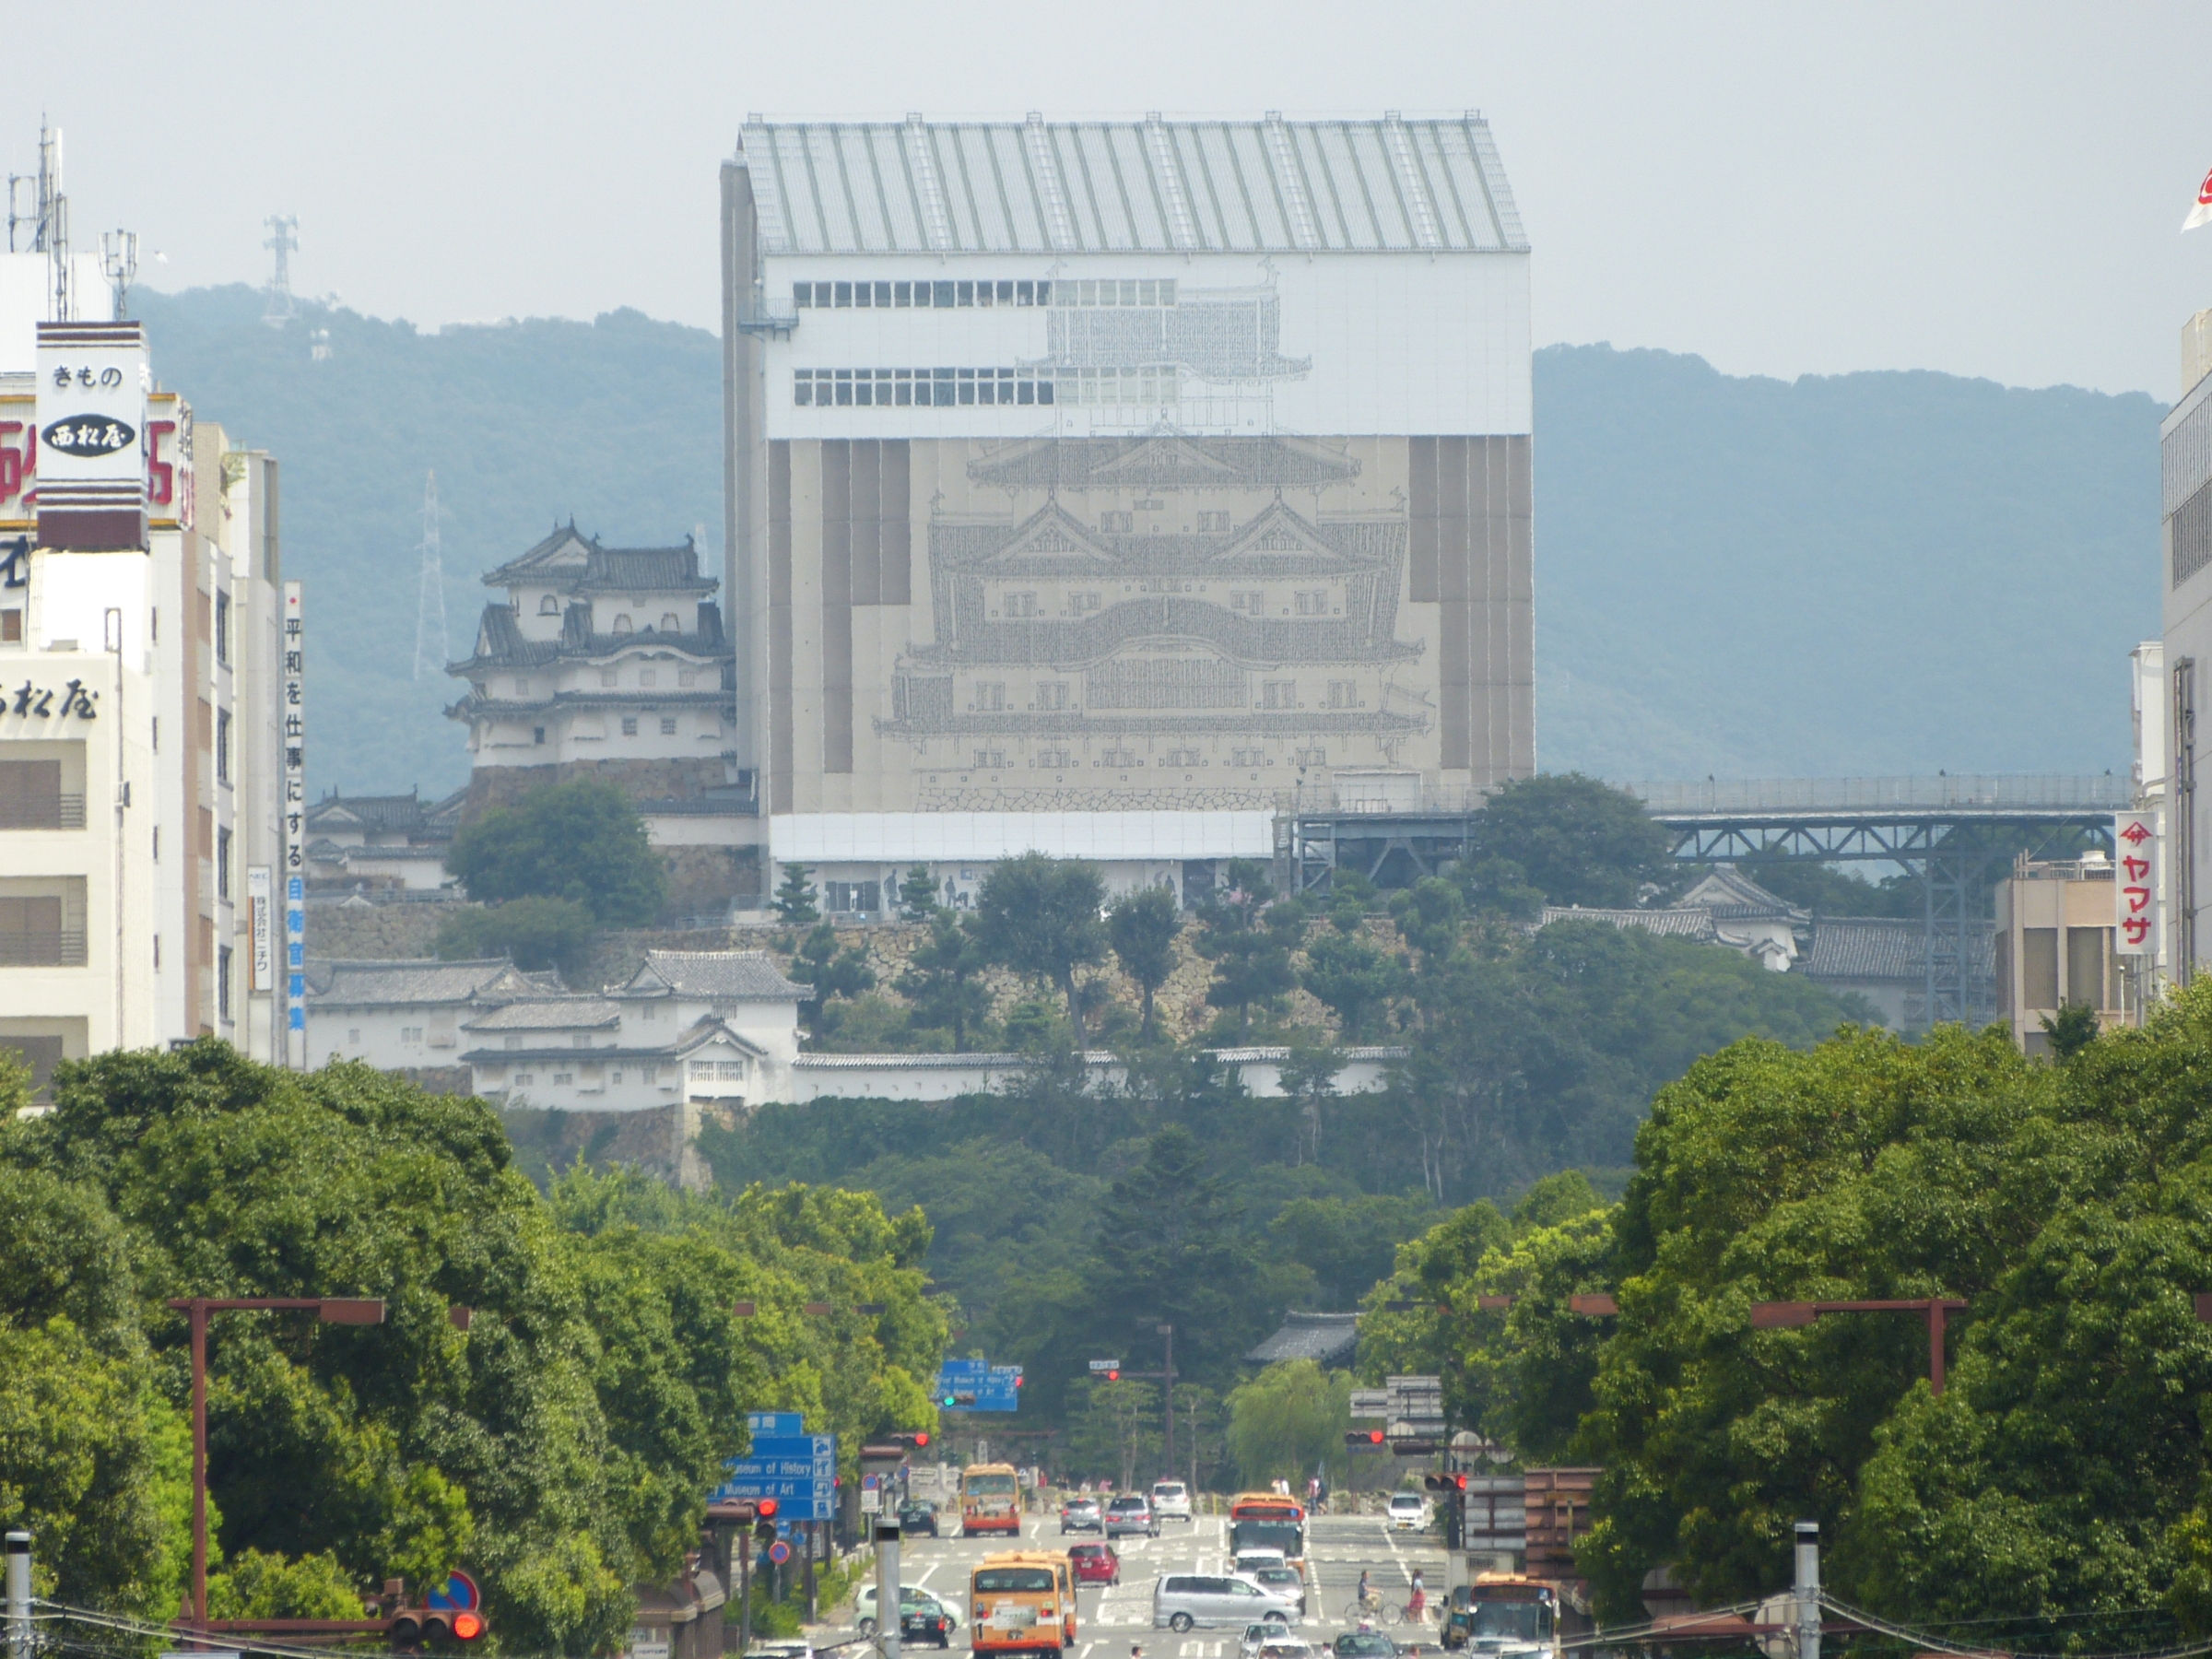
(119,259)
(49,217)
(283,243)
(429,606)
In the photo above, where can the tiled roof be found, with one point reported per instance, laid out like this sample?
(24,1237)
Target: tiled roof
(366,983)
(1674,920)
(1728,894)
(1883,947)
(643,569)
(561,550)
(1327,1338)
(501,643)
(718,975)
(702,1034)
(549,1014)
(374,814)
(1053,188)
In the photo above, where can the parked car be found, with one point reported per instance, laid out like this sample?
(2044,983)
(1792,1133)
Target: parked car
(911,1597)
(1408,1511)
(1171,1501)
(1130,1514)
(916,1516)
(1080,1514)
(1095,1563)
(1181,1600)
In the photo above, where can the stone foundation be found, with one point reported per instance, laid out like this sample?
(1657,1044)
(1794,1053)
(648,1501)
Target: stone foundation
(673,780)
(704,881)
(656,1143)
(374,933)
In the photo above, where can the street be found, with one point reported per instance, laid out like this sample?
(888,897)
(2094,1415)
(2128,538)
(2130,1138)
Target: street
(1338,1551)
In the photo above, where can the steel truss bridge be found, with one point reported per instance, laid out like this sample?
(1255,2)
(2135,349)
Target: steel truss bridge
(1939,829)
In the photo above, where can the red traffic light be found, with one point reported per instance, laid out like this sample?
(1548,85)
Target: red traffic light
(764,1507)
(1374,1437)
(467,1626)
(922,1439)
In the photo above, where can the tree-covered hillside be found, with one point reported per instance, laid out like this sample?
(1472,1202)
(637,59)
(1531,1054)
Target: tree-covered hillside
(1864,573)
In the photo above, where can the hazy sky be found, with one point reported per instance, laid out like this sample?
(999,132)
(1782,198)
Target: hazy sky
(1991,190)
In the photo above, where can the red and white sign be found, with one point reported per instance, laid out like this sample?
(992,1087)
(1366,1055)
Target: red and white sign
(2135,883)
(2201,213)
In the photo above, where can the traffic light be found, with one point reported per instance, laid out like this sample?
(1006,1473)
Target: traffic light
(921,1439)
(1446,1483)
(1113,1376)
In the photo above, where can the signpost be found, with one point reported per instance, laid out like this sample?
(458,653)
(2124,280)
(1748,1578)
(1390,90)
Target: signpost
(978,1386)
(798,1471)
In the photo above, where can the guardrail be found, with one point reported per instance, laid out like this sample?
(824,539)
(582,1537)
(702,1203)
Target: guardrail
(43,812)
(1988,791)
(42,948)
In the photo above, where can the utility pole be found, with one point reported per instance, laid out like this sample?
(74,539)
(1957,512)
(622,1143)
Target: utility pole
(1807,1590)
(888,1609)
(1168,1380)
(18,1595)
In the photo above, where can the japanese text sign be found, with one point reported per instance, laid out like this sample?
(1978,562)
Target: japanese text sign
(2135,883)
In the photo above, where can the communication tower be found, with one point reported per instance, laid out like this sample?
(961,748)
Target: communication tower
(48,219)
(283,243)
(119,259)
(430,606)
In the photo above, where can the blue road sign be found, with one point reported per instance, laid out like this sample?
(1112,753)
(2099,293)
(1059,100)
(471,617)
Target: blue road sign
(783,1425)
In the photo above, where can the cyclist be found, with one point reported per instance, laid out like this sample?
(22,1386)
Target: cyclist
(1367,1592)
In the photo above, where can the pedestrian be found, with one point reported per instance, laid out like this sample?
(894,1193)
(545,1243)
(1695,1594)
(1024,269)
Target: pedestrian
(1417,1603)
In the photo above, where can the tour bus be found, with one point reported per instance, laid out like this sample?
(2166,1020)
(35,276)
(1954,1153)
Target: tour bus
(1268,1521)
(990,1499)
(1022,1601)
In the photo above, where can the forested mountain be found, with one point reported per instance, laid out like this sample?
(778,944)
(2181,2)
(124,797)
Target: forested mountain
(1861,574)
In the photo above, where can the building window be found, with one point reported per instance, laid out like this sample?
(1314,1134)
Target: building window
(538,734)
(989,759)
(1249,756)
(1053,759)
(614,1078)
(11,628)
(410,1033)
(1312,757)
(579,1041)
(671,623)
(1120,760)
(1182,758)
(990,697)
(1214,520)
(622,623)
(1247,600)
(522,688)
(1053,695)
(548,606)
(222,627)
(925,388)
(222,983)
(222,863)
(1021,605)
(1113,522)
(1084,605)
(630,725)
(1344,694)
(1279,694)
(646,676)
(607,676)
(353,1036)
(667,725)
(649,1074)
(563,1078)
(222,746)
(524,1079)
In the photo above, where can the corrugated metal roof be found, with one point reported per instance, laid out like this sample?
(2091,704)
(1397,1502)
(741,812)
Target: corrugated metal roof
(1154,186)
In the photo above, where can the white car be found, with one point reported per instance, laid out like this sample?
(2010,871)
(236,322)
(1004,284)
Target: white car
(1171,1501)
(1250,1560)
(1408,1511)
(911,1597)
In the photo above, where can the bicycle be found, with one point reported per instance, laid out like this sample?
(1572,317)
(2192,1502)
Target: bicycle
(1375,1607)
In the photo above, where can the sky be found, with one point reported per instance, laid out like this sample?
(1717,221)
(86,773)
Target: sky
(1986,190)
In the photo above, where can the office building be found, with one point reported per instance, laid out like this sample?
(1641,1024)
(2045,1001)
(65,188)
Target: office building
(1099,488)
(142,731)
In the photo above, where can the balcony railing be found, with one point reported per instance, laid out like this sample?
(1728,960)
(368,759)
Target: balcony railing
(42,948)
(43,812)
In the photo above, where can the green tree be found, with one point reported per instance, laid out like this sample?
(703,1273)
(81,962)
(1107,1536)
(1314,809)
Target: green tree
(582,841)
(1289,1422)
(1351,1242)
(918,894)
(1248,941)
(537,932)
(831,972)
(795,903)
(1579,841)
(1351,978)
(1040,916)
(2071,1030)
(943,978)
(1142,926)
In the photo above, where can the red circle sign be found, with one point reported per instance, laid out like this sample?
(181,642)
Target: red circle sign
(778,1552)
(458,1592)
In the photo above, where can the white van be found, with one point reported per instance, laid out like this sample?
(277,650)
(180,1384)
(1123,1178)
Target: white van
(1182,1599)
(1171,1501)
(1408,1511)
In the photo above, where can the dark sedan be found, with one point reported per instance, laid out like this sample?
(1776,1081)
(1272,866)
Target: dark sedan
(918,1517)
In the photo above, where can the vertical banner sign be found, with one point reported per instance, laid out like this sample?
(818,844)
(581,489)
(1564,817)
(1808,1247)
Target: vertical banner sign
(295,827)
(2135,883)
(91,452)
(261,928)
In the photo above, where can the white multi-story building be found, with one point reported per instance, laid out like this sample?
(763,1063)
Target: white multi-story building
(141,734)
(1099,487)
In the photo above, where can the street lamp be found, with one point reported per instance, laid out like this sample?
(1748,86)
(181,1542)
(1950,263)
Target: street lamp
(330,1309)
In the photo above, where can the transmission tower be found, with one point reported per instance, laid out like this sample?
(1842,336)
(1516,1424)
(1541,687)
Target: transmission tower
(119,259)
(430,606)
(283,243)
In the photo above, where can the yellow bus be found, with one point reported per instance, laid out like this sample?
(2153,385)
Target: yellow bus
(990,1499)
(1022,1601)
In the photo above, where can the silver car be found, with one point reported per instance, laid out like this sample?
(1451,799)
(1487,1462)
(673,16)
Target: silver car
(1130,1514)
(1182,1599)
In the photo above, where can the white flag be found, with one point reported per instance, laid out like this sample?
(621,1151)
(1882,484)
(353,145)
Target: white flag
(2201,213)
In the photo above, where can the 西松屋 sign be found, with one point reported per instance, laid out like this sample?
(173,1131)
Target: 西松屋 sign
(91,436)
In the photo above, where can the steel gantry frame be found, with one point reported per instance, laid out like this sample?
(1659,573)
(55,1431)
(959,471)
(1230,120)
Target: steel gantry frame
(1925,826)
